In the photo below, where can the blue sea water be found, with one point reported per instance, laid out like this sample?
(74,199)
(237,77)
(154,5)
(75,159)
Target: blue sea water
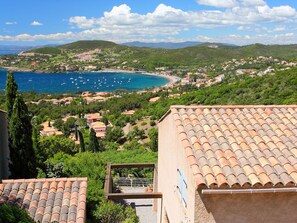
(4,52)
(89,81)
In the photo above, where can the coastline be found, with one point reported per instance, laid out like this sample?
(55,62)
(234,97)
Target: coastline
(172,79)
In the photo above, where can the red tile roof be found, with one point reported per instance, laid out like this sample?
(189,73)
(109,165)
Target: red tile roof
(239,146)
(48,200)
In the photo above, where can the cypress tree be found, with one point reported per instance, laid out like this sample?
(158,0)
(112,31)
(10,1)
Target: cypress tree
(81,141)
(22,156)
(10,93)
(94,145)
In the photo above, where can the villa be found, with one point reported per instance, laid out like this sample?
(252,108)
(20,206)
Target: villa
(94,117)
(228,164)
(100,129)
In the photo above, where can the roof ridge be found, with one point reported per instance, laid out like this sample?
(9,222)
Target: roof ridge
(44,180)
(233,106)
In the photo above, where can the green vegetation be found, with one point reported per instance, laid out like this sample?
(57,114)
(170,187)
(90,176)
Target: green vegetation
(87,45)
(47,50)
(109,212)
(111,55)
(93,166)
(12,214)
(11,93)
(22,155)
(280,88)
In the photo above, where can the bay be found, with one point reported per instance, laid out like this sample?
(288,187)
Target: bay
(6,52)
(89,81)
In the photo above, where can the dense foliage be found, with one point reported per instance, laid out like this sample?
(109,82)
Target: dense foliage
(280,88)
(10,93)
(149,58)
(109,212)
(93,166)
(12,214)
(22,154)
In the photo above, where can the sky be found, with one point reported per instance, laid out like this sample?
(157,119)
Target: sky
(240,22)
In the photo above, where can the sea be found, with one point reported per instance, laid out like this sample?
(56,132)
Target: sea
(60,83)
(6,52)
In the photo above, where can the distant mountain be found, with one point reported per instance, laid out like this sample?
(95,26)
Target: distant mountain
(15,47)
(24,48)
(164,45)
(169,45)
(149,58)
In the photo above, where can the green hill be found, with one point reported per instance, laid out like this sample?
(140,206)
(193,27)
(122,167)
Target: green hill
(88,45)
(149,58)
(47,50)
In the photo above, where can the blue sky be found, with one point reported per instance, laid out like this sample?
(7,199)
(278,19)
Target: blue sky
(36,22)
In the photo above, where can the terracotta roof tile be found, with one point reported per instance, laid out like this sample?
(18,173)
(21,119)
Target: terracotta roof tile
(48,200)
(231,146)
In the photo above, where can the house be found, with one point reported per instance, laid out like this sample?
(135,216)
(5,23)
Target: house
(49,130)
(100,129)
(4,151)
(228,164)
(129,113)
(94,117)
(48,200)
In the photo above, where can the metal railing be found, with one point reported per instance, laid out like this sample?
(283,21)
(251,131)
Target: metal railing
(133,182)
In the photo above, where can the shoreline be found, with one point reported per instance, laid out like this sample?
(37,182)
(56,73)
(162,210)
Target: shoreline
(171,79)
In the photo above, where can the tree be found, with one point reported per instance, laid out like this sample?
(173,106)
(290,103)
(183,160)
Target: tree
(12,213)
(50,145)
(153,143)
(22,155)
(110,212)
(10,93)
(114,134)
(94,145)
(81,141)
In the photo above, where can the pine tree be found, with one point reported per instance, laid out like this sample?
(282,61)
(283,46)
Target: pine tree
(94,145)
(81,141)
(10,93)
(22,156)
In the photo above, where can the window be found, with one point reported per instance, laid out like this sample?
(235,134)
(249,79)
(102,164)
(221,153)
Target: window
(182,186)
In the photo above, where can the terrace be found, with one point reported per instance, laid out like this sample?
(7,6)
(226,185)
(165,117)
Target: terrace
(134,191)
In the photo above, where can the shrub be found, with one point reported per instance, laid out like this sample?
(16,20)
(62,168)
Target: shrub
(109,212)
(12,214)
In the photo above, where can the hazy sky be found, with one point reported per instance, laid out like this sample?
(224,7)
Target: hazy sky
(35,22)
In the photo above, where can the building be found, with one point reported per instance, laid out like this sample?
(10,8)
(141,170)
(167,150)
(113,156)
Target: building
(228,164)
(4,151)
(49,130)
(48,200)
(94,117)
(100,129)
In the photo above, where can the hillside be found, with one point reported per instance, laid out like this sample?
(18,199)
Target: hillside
(277,89)
(202,54)
(104,54)
(88,45)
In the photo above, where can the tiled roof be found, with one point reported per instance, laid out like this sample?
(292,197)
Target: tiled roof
(48,200)
(239,146)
